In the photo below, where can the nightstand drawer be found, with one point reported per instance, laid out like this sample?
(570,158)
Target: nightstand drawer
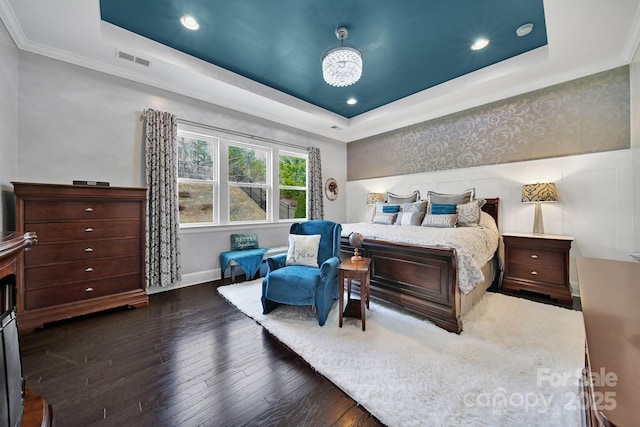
(536,257)
(532,272)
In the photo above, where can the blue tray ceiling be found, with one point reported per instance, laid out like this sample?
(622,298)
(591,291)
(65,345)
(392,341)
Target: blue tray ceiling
(407,46)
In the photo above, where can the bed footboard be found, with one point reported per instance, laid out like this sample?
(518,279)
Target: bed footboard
(420,280)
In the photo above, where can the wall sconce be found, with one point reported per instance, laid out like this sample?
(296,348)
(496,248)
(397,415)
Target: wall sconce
(538,193)
(372,198)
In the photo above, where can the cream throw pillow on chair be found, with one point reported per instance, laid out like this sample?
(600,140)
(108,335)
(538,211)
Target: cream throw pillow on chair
(303,250)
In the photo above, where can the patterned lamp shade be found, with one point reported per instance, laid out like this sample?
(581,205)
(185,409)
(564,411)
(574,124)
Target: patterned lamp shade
(372,198)
(539,192)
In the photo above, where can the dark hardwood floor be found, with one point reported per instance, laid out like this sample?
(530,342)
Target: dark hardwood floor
(188,359)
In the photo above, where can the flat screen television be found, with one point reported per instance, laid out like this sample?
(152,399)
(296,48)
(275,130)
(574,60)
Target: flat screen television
(11,381)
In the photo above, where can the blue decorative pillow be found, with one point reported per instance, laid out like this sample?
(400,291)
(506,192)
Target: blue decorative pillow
(443,209)
(391,209)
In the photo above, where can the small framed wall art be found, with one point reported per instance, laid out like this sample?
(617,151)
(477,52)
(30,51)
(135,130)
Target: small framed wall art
(331,189)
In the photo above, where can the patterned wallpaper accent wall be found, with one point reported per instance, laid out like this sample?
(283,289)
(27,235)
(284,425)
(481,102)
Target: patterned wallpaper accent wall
(586,115)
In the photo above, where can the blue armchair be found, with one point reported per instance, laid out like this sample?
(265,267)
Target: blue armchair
(301,284)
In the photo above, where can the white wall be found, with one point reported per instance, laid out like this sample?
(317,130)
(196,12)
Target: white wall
(635,143)
(8,126)
(596,198)
(76,123)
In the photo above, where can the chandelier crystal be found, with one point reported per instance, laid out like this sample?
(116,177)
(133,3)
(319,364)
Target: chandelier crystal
(342,66)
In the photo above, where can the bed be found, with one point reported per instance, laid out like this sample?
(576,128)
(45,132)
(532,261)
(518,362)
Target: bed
(439,281)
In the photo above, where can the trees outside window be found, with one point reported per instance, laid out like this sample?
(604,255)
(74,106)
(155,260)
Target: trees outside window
(292,176)
(248,184)
(196,178)
(223,181)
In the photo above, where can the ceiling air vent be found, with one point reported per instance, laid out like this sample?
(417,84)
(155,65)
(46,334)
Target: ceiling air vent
(132,58)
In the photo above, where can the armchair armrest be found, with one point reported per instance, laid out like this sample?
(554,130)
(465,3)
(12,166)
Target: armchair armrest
(329,268)
(277,261)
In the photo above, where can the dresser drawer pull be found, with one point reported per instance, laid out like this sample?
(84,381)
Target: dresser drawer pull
(534,273)
(534,256)
(88,250)
(88,230)
(89,270)
(88,210)
(89,290)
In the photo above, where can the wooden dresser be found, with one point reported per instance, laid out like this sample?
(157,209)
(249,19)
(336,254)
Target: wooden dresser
(610,293)
(90,254)
(538,263)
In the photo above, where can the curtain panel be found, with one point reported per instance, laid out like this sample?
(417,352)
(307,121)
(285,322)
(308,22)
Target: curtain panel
(163,250)
(316,199)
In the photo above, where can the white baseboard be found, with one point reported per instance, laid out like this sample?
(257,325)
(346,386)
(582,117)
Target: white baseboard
(189,279)
(575,289)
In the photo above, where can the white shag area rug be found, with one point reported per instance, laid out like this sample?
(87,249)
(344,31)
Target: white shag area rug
(517,362)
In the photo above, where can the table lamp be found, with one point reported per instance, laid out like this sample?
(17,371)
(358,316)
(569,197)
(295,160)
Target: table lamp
(538,193)
(372,198)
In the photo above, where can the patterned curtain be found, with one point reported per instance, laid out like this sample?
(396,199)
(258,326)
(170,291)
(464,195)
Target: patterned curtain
(316,201)
(163,250)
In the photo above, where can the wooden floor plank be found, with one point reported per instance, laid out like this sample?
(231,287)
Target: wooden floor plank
(189,358)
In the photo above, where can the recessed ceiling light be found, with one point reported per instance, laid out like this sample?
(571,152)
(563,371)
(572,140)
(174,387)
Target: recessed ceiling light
(525,29)
(352,101)
(189,22)
(480,44)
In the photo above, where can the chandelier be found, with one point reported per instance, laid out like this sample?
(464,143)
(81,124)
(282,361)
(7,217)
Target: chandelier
(342,65)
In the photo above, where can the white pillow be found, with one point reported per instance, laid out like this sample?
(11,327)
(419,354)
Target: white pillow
(303,250)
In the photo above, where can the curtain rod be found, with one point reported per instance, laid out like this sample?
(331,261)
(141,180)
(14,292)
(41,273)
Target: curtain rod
(245,135)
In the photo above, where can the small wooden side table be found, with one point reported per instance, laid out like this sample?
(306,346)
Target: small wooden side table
(359,271)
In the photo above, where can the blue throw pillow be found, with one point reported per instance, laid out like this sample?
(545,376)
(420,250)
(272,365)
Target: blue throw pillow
(443,209)
(391,209)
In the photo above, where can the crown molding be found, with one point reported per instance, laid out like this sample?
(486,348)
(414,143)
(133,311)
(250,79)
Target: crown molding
(10,20)
(631,46)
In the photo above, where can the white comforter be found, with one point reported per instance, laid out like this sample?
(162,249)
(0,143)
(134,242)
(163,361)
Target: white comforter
(474,245)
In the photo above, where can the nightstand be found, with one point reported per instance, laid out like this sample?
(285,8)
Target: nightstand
(538,263)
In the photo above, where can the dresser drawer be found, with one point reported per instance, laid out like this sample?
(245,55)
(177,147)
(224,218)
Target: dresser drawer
(79,210)
(539,257)
(55,253)
(72,292)
(531,272)
(39,277)
(84,230)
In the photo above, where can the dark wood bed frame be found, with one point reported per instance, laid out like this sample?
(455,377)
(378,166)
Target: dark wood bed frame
(419,279)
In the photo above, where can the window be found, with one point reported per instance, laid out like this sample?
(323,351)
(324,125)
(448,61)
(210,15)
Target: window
(292,175)
(196,178)
(248,188)
(231,181)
